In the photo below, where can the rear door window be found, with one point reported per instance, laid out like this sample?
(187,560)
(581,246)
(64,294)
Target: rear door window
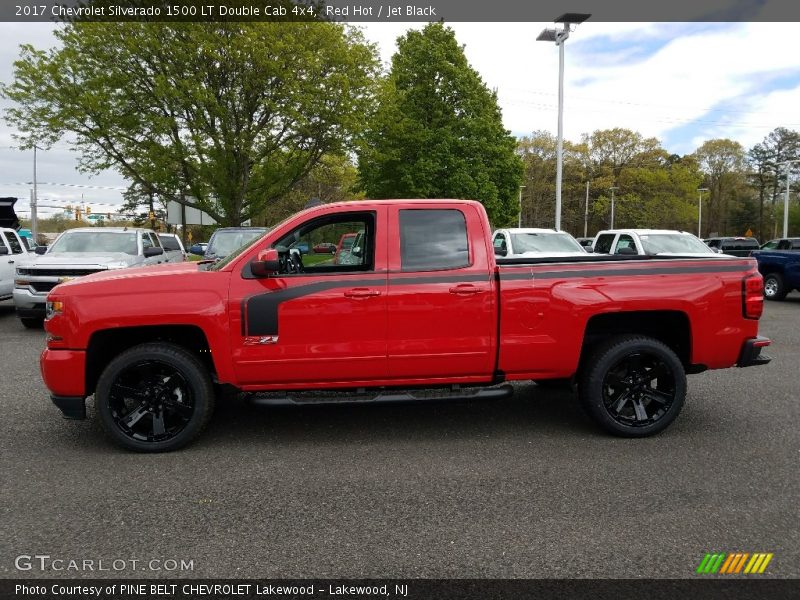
(604,243)
(14,243)
(433,240)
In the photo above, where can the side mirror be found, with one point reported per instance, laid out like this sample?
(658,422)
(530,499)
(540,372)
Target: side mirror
(148,252)
(267,263)
(500,251)
(356,251)
(627,251)
(40,250)
(589,249)
(3,250)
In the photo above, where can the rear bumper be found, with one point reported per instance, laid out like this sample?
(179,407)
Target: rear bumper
(751,355)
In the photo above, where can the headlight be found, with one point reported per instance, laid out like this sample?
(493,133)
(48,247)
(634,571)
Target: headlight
(53,308)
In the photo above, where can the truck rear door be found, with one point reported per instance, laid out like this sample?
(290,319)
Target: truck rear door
(442,306)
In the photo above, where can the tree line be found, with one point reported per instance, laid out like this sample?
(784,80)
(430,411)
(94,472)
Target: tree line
(248,121)
(740,189)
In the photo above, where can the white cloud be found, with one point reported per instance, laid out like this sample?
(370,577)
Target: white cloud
(698,68)
(676,85)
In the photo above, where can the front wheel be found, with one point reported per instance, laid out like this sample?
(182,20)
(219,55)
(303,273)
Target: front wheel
(774,288)
(633,386)
(155,397)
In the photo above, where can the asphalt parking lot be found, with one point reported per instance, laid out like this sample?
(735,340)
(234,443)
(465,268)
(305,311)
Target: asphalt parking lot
(523,488)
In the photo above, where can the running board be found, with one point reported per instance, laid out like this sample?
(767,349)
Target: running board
(352,398)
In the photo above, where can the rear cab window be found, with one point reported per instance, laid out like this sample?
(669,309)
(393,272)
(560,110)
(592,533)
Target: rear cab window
(604,243)
(13,243)
(433,240)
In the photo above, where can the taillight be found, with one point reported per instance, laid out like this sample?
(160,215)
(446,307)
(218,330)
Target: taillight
(753,296)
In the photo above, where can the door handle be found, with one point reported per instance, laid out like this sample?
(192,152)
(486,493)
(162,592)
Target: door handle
(361,293)
(11,262)
(464,289)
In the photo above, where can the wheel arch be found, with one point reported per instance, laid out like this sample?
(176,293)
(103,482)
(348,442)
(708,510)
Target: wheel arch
(671,327)
(105,344)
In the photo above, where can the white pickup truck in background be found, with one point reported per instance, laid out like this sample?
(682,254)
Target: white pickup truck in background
(79,252)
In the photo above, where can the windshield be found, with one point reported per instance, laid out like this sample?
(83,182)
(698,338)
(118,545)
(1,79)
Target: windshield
(254,237)
(673,243)
(544,242)
(96,241)
(223,243)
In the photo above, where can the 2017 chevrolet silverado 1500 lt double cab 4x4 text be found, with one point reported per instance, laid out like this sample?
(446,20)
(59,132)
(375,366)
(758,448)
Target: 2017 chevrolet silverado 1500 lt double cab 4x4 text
(423,303)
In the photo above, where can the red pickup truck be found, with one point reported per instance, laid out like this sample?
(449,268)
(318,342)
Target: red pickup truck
(421,303)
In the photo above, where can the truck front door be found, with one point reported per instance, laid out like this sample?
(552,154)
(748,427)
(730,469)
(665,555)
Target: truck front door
(323,318)
(442,306)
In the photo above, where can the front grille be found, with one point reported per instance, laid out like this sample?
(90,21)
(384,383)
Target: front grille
(43,286)
(66,272)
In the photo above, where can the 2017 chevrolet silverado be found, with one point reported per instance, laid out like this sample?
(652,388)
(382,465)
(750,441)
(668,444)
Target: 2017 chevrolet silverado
(424,302)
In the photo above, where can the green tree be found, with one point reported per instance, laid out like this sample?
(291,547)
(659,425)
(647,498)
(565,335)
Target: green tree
(723,162)
(438,131)
(230,114)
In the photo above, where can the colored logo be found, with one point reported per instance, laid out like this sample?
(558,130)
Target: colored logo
(735,563)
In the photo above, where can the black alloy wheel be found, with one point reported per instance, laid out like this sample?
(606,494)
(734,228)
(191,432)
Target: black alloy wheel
(151,401)
(633,386)
(154,398)
(639,390)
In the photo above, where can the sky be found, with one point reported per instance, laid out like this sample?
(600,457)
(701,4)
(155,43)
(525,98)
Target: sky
(683,83)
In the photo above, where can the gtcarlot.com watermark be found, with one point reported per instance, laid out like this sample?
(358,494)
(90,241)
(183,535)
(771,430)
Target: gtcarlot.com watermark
(47,563)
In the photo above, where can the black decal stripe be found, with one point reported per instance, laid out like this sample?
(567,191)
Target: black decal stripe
(262,309)
(594,273)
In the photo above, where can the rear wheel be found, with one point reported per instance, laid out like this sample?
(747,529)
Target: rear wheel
(774,288)
(155,397)
(633,386)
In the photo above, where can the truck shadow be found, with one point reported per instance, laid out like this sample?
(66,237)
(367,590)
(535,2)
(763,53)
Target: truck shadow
(530,411)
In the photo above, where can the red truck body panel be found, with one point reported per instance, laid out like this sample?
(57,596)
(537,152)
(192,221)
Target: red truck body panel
(393,327)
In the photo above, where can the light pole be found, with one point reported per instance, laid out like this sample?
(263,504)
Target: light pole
(34,200)
(612,188)
(586,212)
(788,164)
(700,211)
(519,219)
(559,36)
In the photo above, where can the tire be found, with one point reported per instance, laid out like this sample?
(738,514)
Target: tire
(32,322)
(774,288)
(633,386)
(155,397)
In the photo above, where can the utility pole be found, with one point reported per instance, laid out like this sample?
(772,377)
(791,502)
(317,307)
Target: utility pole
(586,212)
(613,188)
(700,211)
(34,199)
(788,164)
(519,218)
